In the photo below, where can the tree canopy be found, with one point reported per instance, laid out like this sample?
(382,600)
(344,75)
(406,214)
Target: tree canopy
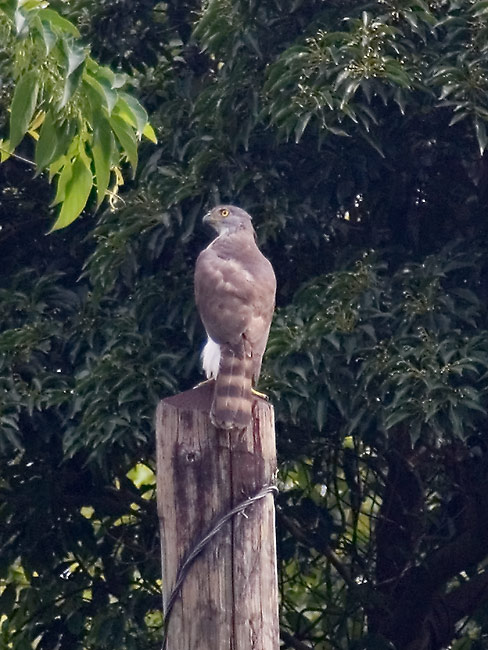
(355,135)
(81,121)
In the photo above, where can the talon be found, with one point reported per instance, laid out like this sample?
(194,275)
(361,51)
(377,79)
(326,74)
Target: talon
(202,383)
(256,393)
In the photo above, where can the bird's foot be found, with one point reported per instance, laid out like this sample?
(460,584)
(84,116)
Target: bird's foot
(202,383)
(256,393)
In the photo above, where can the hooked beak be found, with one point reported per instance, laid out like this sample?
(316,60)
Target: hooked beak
(207,219)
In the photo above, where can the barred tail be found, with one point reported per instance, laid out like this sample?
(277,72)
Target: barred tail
(232,401)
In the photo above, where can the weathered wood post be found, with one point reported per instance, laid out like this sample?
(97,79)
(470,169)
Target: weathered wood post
(229,597)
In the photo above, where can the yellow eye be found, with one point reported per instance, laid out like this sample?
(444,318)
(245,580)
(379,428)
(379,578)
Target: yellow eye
(224,212)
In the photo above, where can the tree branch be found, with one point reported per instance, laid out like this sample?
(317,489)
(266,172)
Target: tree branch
(293,642)
(336,562)
(468,596)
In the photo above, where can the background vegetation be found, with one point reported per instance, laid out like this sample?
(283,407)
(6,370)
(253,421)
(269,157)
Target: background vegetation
(355,135)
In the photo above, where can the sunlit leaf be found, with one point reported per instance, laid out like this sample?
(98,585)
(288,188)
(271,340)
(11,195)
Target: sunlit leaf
(24,103)
(46,145)
(71,84)
(58,22)
(102,156)
(63,180)
(131,107)
(149,133)
(48,35)
(76,194)
(126,137)
(75,55)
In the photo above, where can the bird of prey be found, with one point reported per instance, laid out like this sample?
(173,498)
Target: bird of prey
(235,290)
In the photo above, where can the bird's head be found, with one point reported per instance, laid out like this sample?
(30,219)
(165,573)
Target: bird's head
(228,218)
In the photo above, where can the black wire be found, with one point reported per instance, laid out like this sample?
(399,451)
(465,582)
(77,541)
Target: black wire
(198,548)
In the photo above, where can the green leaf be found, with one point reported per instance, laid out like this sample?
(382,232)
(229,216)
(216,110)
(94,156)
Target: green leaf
(93,90)
(456,422)
(472,405)
(55,166)
(321,413)
(464,643)
(75,57)
(78,190)
(481,136)
(23,106)
(47,34)
(149,133)
(11,432)
(126,137)
(102,156)
(58,22)
(63,181)
(119,80)
(71,84)
(337,131)
(480,9)
(64,134)
(141,474)
(372,141)
(301,126)
(21,23)
(461,115)
(135,109)
(395,418)
(122,110)
(4,150)
(114,80)
(75,54)
(9,8)
(46,145)
(104,90)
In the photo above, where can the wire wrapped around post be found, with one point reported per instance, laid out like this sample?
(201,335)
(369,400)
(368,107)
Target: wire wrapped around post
(201,544)
(219,570)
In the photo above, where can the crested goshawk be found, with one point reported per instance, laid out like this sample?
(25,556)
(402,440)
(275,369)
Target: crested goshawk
(235,290)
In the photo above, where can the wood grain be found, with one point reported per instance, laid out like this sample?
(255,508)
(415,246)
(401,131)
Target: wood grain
(229,599)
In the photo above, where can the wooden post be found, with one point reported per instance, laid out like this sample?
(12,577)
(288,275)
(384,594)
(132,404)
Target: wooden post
(229,598)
